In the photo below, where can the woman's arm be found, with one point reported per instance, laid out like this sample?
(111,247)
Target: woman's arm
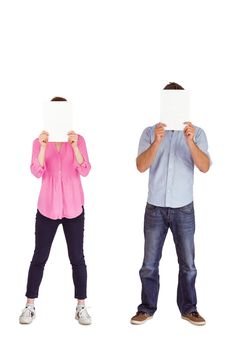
(38,165)
(41,155)
(78,144)
(78,154)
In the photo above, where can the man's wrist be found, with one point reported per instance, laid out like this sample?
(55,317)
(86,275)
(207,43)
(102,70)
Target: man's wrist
(191,142)
(156,143)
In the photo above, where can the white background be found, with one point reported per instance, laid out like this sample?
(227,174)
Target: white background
(111,59)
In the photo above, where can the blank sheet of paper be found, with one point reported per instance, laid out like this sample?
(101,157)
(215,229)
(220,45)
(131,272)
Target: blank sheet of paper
(57,119)
(174,108)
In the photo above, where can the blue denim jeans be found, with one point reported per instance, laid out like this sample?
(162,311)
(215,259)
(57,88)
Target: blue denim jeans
(157,221)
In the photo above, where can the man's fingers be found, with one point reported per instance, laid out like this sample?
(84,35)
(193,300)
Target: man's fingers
(161,125)
(188,131)
(191,127)
(160,128)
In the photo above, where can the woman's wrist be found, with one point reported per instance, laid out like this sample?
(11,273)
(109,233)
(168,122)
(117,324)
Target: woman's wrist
(74,145)
(43,146)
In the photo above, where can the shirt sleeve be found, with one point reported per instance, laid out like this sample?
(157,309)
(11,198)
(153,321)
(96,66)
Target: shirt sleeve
(145,141)
(84,168)
(36,169)
(200,140)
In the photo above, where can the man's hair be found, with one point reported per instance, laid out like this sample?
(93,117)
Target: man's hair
(58,99)
(173,86)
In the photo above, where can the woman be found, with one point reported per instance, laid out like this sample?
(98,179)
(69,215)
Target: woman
(60,200)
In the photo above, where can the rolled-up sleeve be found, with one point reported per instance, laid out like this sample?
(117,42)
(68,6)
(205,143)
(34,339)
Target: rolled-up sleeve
(84,168)
(200,140)
(36,169)
(144,142)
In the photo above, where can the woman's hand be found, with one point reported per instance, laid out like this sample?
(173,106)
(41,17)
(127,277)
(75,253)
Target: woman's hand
(72,138)
(44,138)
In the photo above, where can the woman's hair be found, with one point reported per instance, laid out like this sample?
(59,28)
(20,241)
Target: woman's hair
(58,99)
(173,86)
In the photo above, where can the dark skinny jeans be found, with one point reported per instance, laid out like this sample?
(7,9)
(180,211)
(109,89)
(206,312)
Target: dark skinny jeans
(45,230)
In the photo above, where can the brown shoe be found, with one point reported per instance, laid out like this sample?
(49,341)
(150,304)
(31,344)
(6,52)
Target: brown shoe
(194,318)
(140,317)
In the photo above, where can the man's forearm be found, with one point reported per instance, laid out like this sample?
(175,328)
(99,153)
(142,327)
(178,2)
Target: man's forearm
(145,159)
(200,159)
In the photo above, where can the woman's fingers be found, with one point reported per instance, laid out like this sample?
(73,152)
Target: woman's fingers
(72,137)
(71,132)
(43,137)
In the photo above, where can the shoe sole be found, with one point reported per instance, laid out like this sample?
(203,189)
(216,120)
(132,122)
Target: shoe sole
(141,322)
(193,322)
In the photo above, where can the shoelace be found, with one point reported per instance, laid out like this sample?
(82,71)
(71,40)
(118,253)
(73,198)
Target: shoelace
(27,311)
(195,314)
(83,313)
(142,313)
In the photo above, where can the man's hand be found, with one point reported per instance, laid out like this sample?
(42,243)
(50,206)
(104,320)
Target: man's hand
(189,131)
(145,159)
(159,132)
(72,138)
(200,159)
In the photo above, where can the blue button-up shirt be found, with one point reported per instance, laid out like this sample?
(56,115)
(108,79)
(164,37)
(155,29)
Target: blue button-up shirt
(171,173)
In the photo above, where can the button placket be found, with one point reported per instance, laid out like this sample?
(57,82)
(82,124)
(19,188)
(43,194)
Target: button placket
(170,170)
(60,185)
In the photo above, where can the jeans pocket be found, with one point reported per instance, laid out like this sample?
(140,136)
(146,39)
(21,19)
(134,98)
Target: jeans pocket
(150,206)
(187,209)
(151,210)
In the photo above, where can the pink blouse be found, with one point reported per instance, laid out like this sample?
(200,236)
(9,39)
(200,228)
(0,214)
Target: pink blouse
(61,193)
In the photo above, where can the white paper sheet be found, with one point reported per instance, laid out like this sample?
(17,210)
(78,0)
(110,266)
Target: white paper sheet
(174,108)
(57,119)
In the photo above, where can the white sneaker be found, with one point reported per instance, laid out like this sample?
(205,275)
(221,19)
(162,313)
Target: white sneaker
(82,315)
(28,315)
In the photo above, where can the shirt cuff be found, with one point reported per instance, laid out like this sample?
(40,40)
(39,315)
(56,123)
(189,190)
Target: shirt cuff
(84,168)
(37,169)
(84,165)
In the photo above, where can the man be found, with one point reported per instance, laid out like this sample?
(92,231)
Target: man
(170,156)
